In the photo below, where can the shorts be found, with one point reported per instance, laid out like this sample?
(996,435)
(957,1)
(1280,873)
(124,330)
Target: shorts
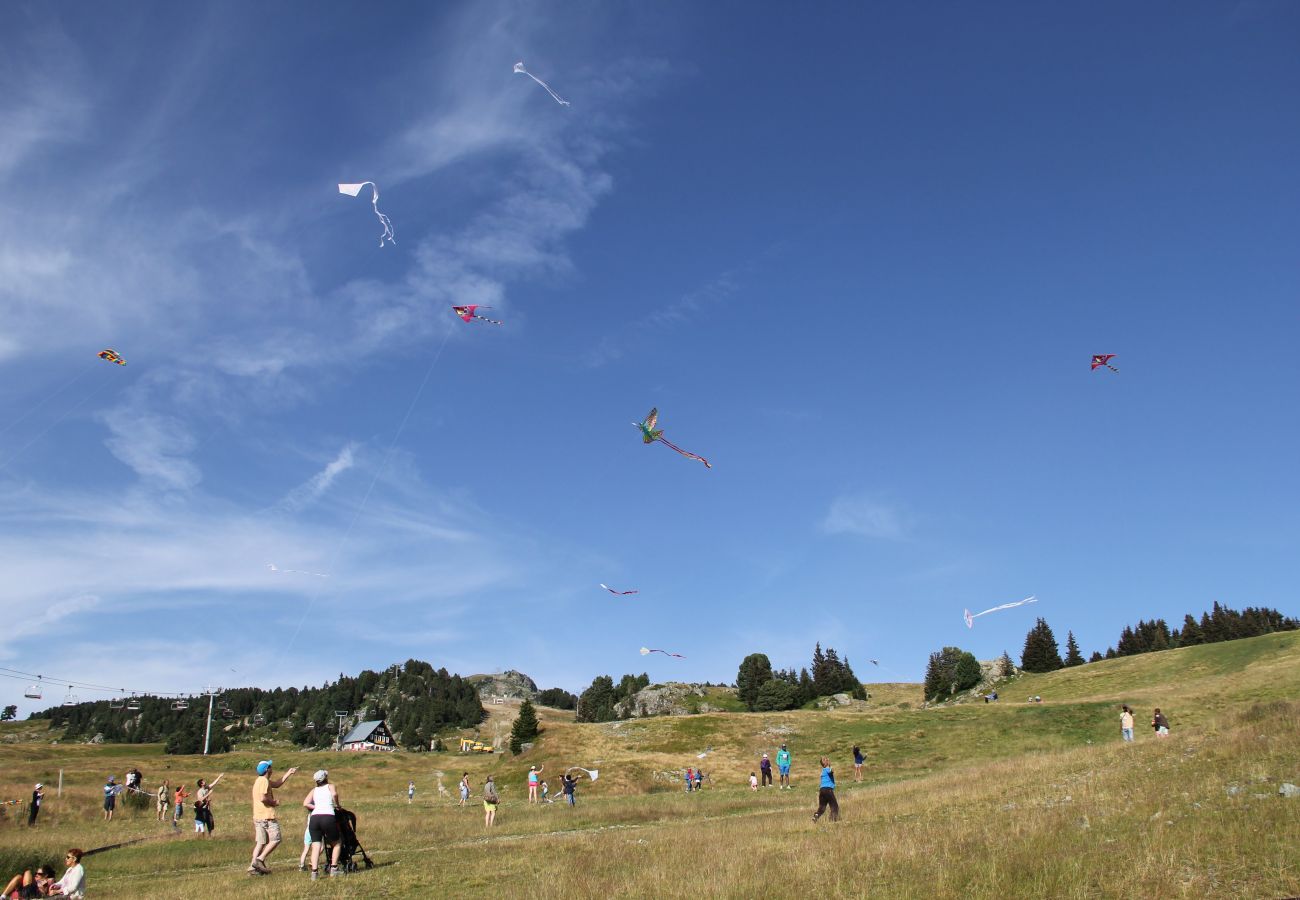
(488,807)
(306,837)
(266,831)
(785,770)
(323,828)
(109,803)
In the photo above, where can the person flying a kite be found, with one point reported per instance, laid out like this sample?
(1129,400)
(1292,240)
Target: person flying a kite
(111,356)
(1103,359)
(650,434)
(467,313)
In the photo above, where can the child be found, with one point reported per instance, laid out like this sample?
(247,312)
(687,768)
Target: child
(178,806)
(753,781)
(546,790)
(410,792)
(699,779)
(306,844)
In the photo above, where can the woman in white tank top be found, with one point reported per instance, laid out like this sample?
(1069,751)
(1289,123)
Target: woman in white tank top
(323,826)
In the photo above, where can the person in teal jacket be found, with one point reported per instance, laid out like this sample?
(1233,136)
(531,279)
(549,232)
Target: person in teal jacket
(783,766)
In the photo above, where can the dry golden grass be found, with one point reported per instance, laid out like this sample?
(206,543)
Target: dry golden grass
(975,801)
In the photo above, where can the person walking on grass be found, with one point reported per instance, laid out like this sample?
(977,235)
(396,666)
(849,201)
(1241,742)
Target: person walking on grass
(110,798)
(1126,723)
(765,767)
(858,760)
(266,826)
(1160,723)
(783,764)
(464,788)
(410,792)
(699,779)
(690,779)
(323,825)
(34,810)
(164,790)
(826,796)
(490,801)
(534,779)
(753,782)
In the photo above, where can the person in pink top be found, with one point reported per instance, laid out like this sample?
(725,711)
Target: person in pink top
(534,779)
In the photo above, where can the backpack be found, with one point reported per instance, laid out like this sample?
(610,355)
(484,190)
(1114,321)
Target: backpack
(490,793)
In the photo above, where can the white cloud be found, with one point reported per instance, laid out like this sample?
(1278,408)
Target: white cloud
(866,517)
(315,487)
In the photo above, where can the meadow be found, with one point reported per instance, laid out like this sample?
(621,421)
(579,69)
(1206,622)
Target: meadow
(1009,799)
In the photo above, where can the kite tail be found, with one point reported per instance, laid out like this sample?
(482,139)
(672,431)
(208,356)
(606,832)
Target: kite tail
(558,99)
(686,453)
(1112,368)
(383,219)
(486,319)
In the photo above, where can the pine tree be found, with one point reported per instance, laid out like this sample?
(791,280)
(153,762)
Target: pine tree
(1008,667)
(1072,655)
(525,728)
(1096,656)
(755,671)
(1041,652)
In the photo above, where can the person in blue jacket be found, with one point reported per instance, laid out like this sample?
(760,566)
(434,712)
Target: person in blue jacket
(826,796)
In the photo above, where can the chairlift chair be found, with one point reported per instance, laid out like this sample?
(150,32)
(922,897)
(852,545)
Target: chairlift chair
(259,719)
(133,705)
(116,703)
(227,713)
(179,705)
(70,699)
(311,726)
(33,691)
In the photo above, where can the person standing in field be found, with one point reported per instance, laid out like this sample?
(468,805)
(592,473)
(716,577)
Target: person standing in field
(323,825)
(1126,723)
(570,787)
(783,764)
(690,779)
(858,760)
(34,810)
(1160,723)
(266,827)
(464,788)
(826,796)
(546,791)
(534,779)
(110,798)
(699,779)
(163,790)
(178,805)
(765,767)
(490,801)
(753,782)
(410,792)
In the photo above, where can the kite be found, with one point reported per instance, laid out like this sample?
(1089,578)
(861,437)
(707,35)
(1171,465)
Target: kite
(650,434)
(520,70)
(874,662)
(1103,359)
(467,313)
(279,571)
(971,617)
(707,751)
(111,356)
(594,773)
(646,651)
(619,593)
(353,190)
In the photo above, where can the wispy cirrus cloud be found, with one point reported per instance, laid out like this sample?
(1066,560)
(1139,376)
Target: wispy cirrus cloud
(315,487)
(865,516)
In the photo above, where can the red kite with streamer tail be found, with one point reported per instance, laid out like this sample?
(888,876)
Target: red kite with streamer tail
(1103,359)
(467,313)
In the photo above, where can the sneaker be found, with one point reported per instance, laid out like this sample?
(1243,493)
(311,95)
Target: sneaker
(302,867)
(260,866)
(313,875)
(334,871)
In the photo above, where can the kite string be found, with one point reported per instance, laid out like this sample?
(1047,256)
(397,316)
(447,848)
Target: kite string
(41,404)
(338,548)
(50,427)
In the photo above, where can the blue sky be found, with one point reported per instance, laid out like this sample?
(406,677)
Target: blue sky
(859,257)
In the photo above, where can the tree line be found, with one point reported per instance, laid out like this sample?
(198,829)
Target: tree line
(764,689)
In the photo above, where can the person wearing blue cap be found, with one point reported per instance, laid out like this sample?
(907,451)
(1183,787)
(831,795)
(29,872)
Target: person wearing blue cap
(266,827)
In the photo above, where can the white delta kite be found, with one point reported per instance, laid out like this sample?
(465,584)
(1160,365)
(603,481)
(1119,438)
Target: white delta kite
(971,617)
(352,190)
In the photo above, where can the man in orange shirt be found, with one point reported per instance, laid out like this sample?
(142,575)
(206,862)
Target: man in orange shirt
(266,828)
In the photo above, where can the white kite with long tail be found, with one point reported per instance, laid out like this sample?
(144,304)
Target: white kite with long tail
(353,190)
(971,617)
(520,70)
(594,773)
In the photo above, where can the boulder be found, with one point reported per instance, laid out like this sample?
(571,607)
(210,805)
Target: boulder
(1288,789)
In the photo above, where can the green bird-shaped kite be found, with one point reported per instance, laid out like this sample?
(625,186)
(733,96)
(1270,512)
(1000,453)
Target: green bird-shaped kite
(650,434)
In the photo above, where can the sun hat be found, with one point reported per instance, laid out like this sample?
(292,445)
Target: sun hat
(110,779)
(39,785)
(320,776)
(263,767)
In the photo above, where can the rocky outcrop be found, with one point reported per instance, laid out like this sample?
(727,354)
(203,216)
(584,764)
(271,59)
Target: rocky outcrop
(662,700)
(509,684)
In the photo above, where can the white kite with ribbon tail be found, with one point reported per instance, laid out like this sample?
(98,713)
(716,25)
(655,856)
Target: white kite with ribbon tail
(352,190)
(971,617)
(520,70)
(594,773)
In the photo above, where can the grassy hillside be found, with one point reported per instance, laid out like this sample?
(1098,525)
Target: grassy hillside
(969,800)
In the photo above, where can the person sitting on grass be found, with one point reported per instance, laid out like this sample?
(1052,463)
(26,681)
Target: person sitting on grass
(73,883)
(30,884)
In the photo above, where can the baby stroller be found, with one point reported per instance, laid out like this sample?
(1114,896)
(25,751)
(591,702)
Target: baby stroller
(349,846)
